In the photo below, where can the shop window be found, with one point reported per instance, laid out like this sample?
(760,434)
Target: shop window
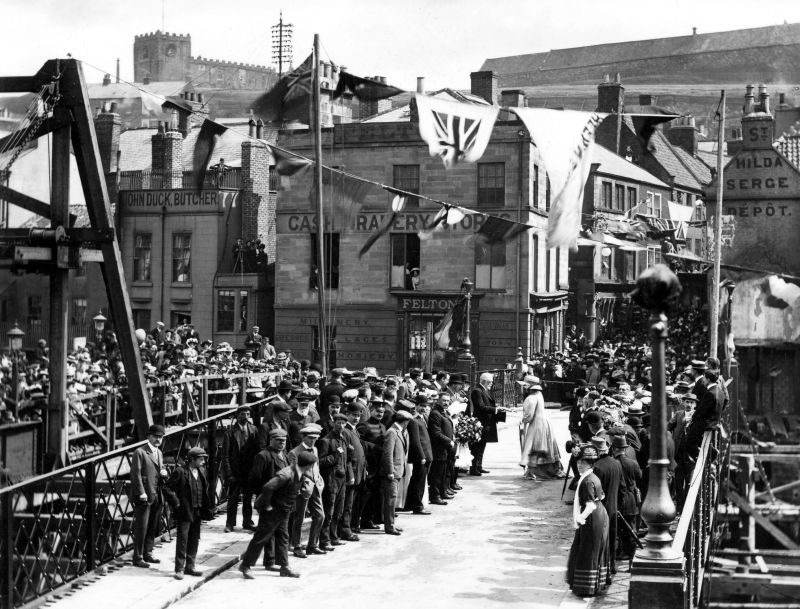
(79,311)
(331,255)
(142,248)
(405,260)
(406,177)
(141,318)
(491,184)
(181,257)
(490,265)
(34,310)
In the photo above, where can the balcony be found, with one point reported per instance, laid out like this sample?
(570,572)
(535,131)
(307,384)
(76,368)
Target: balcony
(231,179)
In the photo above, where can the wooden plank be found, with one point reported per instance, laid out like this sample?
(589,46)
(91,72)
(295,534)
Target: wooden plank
(87,156)
(27,203)
(48,125)
(778,489)
(57,419)
(773,530)
(764,448)
(759,552)
(18,84)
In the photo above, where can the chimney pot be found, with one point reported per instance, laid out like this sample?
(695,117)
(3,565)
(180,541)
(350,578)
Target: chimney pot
(106,80)
(259,129)
(606,78)
(420,84)
(200,98)
(617,77)
(251,128)
(694,31)
(113,107)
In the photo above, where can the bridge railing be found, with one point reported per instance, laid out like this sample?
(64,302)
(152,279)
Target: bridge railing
(58,526)
(695,529)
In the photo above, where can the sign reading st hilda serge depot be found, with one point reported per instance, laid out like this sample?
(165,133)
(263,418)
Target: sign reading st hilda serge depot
(175,201)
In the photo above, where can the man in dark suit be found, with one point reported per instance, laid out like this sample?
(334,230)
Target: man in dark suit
(609,472)
(420,456)
(333,466)
(485,410)
(440,431)
(238,451)
(187,492)
(708,413)
(334,387)
(357,474)
(371,433)
(147,477)
(628,494)
(276,413)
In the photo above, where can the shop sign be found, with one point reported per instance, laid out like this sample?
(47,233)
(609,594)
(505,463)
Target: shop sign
(426,303)
(175,201)
(371,222)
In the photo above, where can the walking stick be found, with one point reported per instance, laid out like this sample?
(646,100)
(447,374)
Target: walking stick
(569,469)
(630,530)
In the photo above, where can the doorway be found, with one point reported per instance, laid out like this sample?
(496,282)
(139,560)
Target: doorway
(423,352)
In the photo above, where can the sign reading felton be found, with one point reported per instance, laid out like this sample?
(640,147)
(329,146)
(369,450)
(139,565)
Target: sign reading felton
(175,201)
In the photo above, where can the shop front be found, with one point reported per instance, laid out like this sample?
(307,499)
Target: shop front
(546,321)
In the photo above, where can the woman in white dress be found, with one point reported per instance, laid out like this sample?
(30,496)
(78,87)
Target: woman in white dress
(541,456)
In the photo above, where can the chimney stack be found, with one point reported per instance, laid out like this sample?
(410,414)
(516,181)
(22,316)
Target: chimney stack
(106,80)
(512,98)
(420,84)
(146,80)
(694,31)
(763,99)
(108,127)
(683,133)
(117,69)
(758,126)
(484,84)
(749,100)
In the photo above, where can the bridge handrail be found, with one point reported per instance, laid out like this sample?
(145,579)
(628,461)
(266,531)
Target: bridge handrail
(696,522)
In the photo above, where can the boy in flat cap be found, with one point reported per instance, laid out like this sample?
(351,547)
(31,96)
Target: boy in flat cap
(310,496)
(187,493)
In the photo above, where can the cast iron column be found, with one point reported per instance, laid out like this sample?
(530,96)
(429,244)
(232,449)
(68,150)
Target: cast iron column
(656,289)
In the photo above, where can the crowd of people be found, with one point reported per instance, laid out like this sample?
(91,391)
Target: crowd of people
(609,424)
(351,451)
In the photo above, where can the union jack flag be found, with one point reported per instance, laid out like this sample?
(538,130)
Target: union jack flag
(455,132)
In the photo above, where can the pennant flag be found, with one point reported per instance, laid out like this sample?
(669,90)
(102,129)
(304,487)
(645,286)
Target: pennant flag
(498,230)
(290,98)
(565,139)
(204,146)
(645,125)
(455,131)
(448,333)
(398,204)
(363,88)
(287,164)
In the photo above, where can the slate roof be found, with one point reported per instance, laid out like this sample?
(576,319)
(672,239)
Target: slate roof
(613,164)
(618,52)
(789,146)
(136,148)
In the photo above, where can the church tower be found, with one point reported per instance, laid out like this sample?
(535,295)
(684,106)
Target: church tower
(160,56)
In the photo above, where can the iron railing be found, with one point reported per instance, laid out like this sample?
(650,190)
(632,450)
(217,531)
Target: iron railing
(695,531)
(58,526)
(146,179)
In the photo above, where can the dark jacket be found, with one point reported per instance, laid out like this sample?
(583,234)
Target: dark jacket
(440,431)
(371,433)
(281,491)
(266,464)
(419,441)
(485,410)
(333,457)
(609,471)
(358,461)
(238,451)
(178,493)
(628,484)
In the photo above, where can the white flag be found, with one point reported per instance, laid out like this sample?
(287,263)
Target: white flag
(565,139)
(455,131)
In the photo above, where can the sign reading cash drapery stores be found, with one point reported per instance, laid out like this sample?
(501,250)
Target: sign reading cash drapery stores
(371,222)
(175,201)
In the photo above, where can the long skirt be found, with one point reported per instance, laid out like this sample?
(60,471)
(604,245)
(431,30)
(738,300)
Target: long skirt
(588,564)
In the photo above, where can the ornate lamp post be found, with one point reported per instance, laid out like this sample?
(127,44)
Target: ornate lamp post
(657,289)
(466,343)
(99,323)
(15,336)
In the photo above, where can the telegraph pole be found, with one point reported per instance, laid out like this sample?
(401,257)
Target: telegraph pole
(282,44)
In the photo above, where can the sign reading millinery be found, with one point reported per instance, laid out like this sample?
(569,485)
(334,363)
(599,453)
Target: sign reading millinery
(371,222)
(175,201)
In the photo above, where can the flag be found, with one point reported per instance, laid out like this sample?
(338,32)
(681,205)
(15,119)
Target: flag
(455,131)
(645,125)
(565,139)
(448,333)
(290,98)
(346,193)
(363,88)
(287,164)
(204,146)
(498,230)
(398,203)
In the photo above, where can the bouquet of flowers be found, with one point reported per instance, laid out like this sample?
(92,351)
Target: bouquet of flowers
(468,430)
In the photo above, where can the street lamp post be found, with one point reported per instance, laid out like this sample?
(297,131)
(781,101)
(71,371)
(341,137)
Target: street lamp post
(99,323)
(15,336)
(656,290)
(466,343)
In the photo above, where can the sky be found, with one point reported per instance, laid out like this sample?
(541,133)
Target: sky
(441,40)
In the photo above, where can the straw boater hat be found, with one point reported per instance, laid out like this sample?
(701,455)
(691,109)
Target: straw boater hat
(530,382)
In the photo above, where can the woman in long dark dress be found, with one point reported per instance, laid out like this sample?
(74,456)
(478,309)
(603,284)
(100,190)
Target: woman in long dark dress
(588,564)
